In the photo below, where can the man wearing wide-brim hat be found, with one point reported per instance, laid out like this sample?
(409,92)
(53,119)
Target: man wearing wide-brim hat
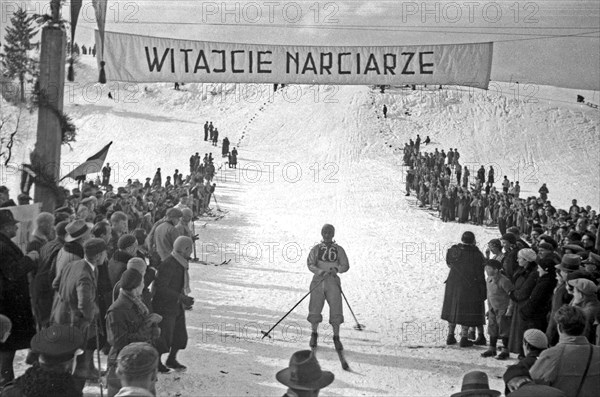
(476,383)
(78,232)
(304,377)
(51,376)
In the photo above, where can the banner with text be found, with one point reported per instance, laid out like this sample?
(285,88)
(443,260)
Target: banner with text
(134,58)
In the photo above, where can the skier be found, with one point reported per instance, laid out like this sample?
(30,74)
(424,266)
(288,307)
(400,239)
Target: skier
(326,260)
(215,138)
(427,140)
(206,131)
(210,131)
(384,111)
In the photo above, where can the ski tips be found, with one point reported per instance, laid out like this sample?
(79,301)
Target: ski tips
(359,327)
(265,334)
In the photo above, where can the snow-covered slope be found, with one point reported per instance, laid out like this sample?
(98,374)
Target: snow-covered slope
(310,156)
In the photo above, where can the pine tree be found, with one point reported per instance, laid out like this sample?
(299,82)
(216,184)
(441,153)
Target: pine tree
(17,61)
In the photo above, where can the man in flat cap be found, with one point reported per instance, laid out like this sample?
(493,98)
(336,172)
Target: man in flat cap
(137,365)
(76,302)
(172,288)
(51,376)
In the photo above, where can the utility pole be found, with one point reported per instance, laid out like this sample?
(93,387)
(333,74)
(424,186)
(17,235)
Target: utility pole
(51,87)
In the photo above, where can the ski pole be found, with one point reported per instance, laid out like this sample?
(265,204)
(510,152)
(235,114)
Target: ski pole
(215,197)
(98,357)
(194,241)
(304,297)
(358,326)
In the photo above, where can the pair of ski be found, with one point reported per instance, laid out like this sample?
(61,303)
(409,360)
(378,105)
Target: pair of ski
(341,356)
(225,262)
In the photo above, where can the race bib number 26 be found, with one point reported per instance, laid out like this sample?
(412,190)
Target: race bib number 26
(328,253)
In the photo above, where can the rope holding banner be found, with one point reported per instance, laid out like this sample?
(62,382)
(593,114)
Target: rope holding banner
(102,78)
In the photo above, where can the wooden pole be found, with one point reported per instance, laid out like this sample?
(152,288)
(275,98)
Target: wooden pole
(49,135)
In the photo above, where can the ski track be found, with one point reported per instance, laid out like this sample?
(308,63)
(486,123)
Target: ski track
(340,170)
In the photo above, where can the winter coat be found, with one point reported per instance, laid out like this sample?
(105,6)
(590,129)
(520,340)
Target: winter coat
(37,381)
(533,390)
(75,302)
(14,294)
(225,148)
(591,308)
(559,298)
(535,311)
(117,265)
(125,324)
(165,235)
(168,287)
(465,291)
(562,366)
(70,252)
(510,263)
(525,280)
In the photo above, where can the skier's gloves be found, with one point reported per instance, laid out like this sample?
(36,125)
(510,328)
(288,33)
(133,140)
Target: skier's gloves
(333,271)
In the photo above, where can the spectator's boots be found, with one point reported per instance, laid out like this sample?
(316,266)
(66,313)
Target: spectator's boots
(480,341)
(174,364)
(337,343)
(489,353)
(465,342)
(504,354)
(162,369)
(313,340)
(450,340)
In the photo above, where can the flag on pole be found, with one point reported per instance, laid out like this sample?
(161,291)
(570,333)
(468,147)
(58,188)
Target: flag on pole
(91,165)
(75,8)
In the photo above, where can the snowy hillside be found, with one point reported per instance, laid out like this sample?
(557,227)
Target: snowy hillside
(311,155)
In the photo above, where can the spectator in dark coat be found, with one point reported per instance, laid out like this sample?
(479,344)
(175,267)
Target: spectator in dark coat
(525,279)
(569,264)
(170,298)
(51,376)
(14,294)
(128,320)
(509,261)
(535,310)
(225,149)
(465,290)
(519,384)
(118,263)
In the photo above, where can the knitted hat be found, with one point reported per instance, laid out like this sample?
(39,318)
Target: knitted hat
(137,359)
(137,264)
(509,237)
(536,338)
(93,247)
(126,241)
(527,253)
(130,279)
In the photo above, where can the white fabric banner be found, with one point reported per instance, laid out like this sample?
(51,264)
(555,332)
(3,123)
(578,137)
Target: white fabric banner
(134,58)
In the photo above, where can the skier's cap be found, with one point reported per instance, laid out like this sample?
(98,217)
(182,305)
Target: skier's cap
(536,338)
(304,373)
(327,226)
